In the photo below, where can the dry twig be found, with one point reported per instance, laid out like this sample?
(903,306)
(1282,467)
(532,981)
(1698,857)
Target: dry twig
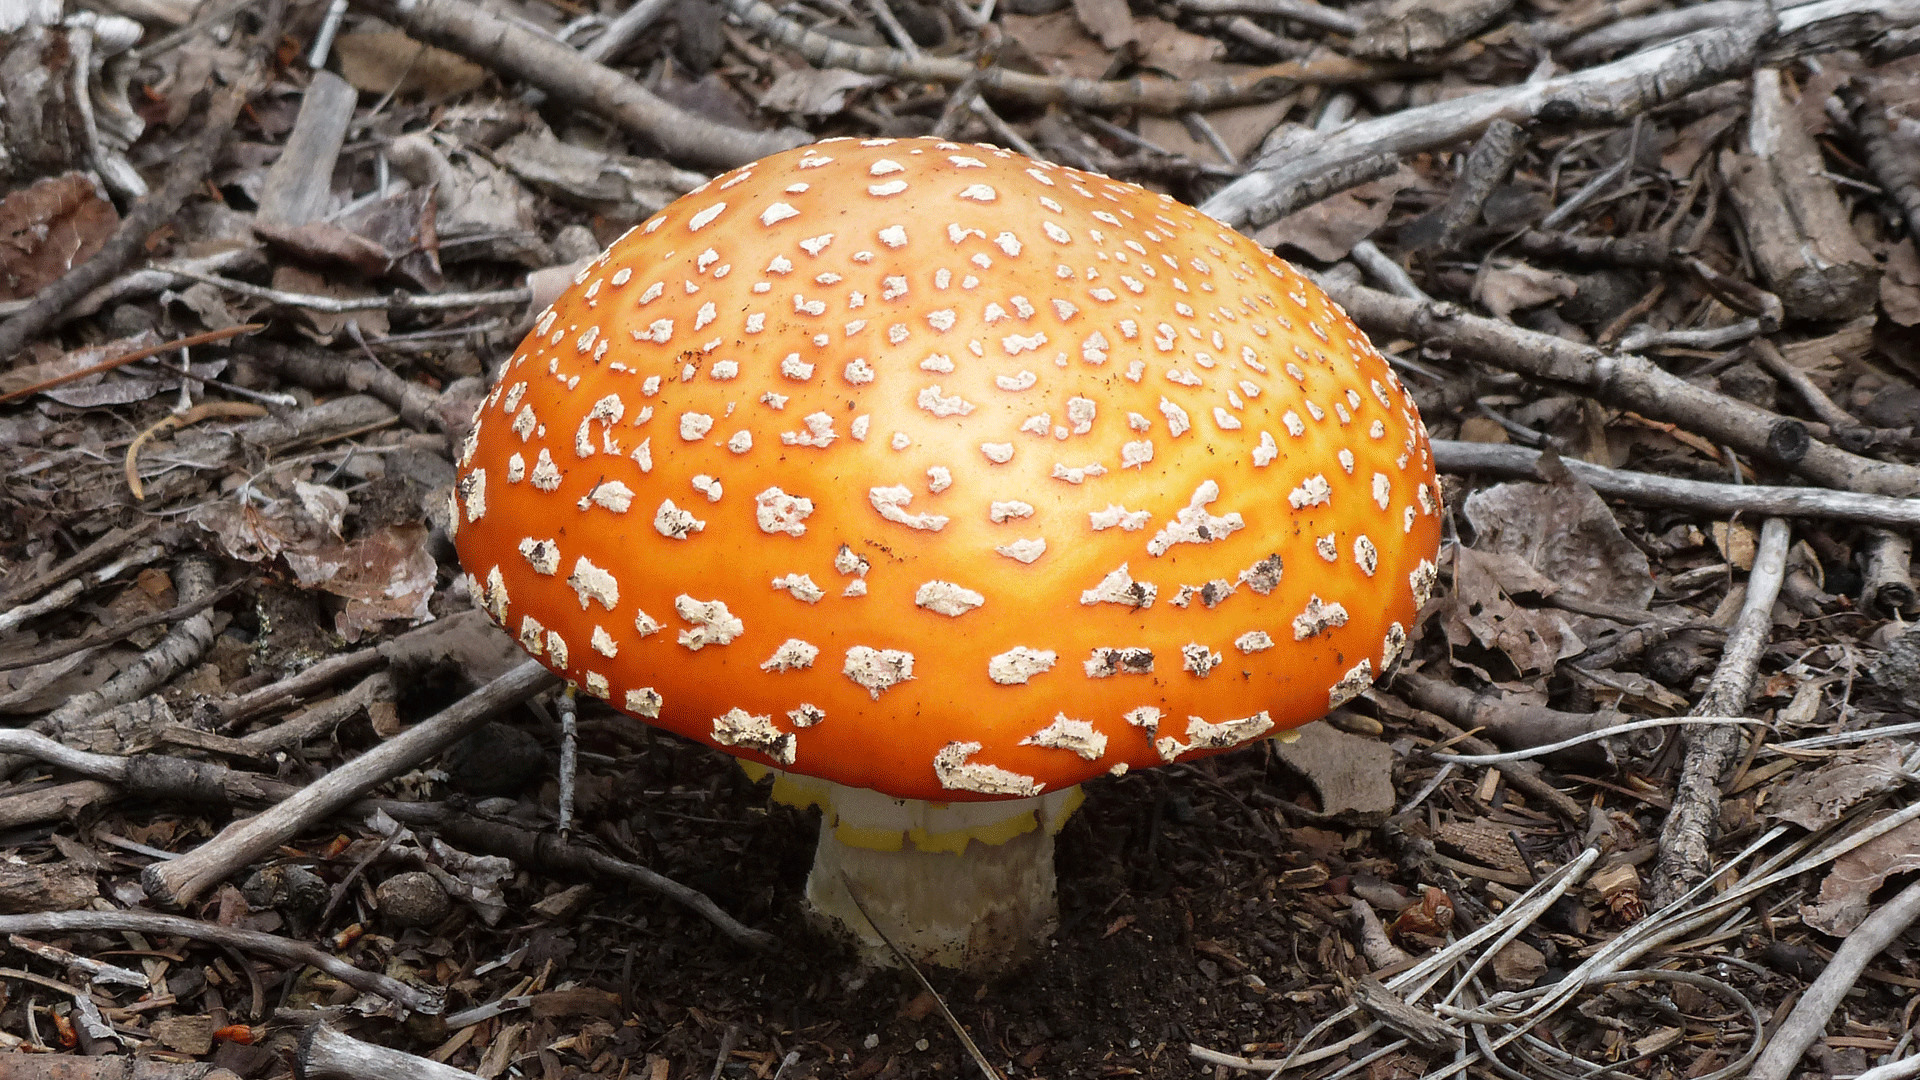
(1686,839)
(572,79)
(181,880)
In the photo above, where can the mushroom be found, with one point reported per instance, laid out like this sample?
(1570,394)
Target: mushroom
(941,479)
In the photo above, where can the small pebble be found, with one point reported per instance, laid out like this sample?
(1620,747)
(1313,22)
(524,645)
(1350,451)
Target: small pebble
(412,899)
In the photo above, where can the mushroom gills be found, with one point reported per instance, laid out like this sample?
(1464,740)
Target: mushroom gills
(968,886)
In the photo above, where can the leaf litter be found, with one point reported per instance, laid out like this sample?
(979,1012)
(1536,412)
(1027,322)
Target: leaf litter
(1218,915)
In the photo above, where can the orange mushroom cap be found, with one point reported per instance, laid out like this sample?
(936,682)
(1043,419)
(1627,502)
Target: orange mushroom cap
(937,470)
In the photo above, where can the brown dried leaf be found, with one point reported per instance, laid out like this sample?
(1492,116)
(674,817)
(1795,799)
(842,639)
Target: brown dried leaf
(1480,610)
(388,575)
(392,235)
(49,228)
(616,186)
(1518,965)
(119,386)
(1737,541)
(814,91)
(258,533)
(474,198)
(388,61)
(1585,552)
(1328,229)
(1816,798)
(1694,142)
(1506,287)
(326,326)
(1057,44)
(1107,20)
(1175,51)
(1351,775)
(1846,896)
(326,242)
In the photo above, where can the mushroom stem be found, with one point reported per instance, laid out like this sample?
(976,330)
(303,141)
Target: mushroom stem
(968,886)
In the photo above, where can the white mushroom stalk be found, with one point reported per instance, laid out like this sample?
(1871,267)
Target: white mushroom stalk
(968,886)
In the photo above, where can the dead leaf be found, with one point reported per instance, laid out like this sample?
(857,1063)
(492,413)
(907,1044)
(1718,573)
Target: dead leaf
(391,235)
(388,61)
(327,326)
(1694,141)
(474,198)
(1107,20)
(1846,896)
(1518,965)
(324,241)
(814,91)
(1481,429)
(48,228)
(388,575)
(120,386)
(1816,798)
(1481,610)
(1737,543)
(1058,44)
(1241,127)
(1351,775)
(1506,287)
(616,186)
(1584,553)
(1328,229)
(1181,55)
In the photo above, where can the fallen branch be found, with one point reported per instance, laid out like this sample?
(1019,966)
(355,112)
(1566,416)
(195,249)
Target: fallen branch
(1610,93)
(1797,229)
(58,802)
(182,880)
(1686,839)
(571,79)
(157,776)
(1597,96)
(1152,95)
(253,941)
(545,851)
(1704,496)
(389,300)
(321,718)
(110,543)
(22,1066)
(184,645)
(1624,381)
(324,370)
(421,644)
(1452,711)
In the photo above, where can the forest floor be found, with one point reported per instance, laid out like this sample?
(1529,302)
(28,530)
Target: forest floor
(1671,246)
